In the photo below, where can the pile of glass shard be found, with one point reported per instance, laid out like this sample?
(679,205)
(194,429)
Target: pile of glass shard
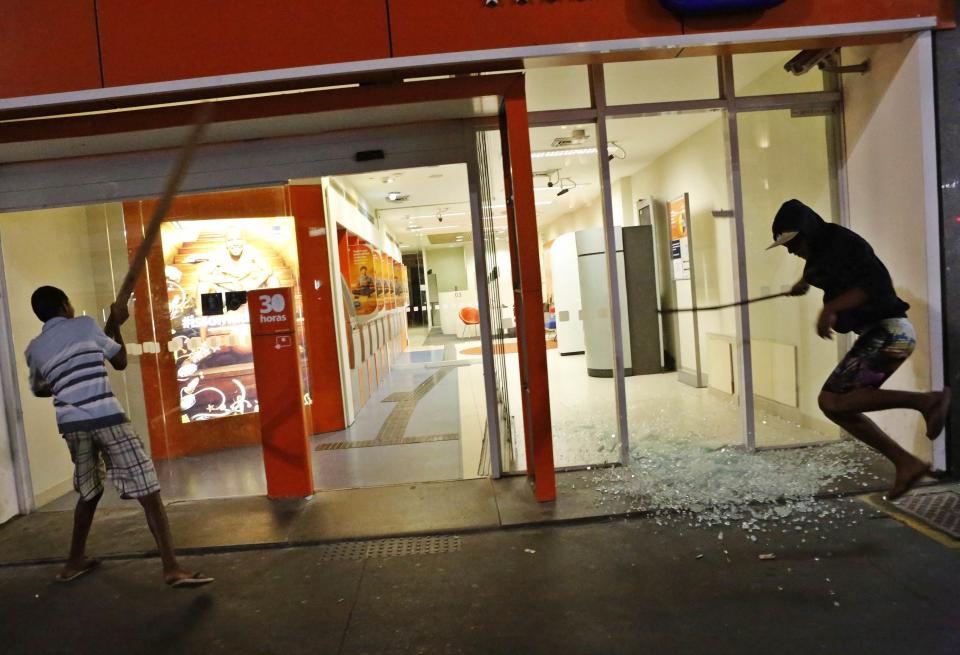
(728,486)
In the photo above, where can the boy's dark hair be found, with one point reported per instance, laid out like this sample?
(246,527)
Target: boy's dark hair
(48,302)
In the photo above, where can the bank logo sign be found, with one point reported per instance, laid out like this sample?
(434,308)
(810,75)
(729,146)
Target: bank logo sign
(272,307)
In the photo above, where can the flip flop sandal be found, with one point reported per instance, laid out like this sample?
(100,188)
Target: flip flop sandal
(93,564)
(195,580)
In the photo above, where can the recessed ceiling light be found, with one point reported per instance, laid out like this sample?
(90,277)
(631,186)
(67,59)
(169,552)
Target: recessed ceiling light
(397,196)
(388,180)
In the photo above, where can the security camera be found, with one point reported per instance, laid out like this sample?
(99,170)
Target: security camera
(805,60)
(440,219)
(491,3)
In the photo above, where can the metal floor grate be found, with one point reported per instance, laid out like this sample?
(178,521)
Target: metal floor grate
(940,509)
(398,547)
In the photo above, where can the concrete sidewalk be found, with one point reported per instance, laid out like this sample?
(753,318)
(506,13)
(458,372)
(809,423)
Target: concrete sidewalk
(867,585)
(377,512)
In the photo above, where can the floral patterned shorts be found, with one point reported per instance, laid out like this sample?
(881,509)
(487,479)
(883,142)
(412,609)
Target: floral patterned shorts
(879,351)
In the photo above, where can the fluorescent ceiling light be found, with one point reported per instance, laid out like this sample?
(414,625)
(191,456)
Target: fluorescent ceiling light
(441,227)
(444,214)
(567,152)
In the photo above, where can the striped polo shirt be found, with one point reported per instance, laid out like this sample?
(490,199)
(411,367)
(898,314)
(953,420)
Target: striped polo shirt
(69,356)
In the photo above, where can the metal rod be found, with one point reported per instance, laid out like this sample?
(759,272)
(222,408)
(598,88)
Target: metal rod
(708,308)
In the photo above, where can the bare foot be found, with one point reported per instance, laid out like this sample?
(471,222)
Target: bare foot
(936,416)
(74,570)
(907,476)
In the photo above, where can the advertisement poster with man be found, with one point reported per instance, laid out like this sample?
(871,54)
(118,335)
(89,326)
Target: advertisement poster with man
(362,271)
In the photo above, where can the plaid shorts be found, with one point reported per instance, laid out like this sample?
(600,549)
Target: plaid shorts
(119,450)
(876,354)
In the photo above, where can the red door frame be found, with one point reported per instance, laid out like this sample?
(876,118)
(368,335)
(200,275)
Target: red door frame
(528,293)
(518,181)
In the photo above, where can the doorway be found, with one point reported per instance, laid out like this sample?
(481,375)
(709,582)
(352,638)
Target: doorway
(99,205)
(414,386)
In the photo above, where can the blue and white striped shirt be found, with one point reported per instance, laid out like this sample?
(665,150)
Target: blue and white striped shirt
(69,356)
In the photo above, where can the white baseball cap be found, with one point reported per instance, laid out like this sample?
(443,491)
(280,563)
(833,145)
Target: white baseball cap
(782,239)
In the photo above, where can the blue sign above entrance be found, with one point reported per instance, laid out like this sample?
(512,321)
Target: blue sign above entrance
(701,7)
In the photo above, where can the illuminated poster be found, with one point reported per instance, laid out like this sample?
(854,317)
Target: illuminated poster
(386,280)
(378,279)
(208,264)
(679,237)
(400,291)
(362,276)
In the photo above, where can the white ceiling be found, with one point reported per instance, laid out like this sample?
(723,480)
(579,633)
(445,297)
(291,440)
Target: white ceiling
(435,193)
(443,191)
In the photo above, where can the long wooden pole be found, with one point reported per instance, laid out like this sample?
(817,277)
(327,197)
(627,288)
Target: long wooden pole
(163,206)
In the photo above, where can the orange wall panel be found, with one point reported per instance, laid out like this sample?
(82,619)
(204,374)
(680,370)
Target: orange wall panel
(317,289)
(420,27)
(47,46)
(800,13)
(156,40)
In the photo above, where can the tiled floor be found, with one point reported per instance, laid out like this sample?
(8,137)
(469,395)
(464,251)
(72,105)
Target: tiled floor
(411,430)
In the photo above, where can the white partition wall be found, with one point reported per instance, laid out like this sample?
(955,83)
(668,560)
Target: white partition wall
(566,294)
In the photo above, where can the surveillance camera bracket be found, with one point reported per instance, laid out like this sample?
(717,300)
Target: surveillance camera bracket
(852,68)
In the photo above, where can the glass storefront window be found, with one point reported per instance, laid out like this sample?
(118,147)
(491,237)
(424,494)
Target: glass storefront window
(783,157)
(661,80)
(576,296)
(762,73)
(681,387)
(90,262)
(561,87)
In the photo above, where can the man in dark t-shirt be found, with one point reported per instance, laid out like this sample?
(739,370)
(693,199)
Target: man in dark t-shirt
(858,296)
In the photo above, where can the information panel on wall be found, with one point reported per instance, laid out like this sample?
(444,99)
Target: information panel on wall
(679,237)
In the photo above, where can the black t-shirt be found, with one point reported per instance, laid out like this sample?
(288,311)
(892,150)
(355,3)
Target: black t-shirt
(841,260)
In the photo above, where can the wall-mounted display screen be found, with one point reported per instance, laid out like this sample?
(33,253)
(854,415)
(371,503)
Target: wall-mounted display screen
(216,259)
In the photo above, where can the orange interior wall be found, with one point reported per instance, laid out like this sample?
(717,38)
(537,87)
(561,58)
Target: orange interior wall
(316,288)
(47,46)
(154,40)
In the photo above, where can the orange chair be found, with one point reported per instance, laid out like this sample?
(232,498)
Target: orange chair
(469,316)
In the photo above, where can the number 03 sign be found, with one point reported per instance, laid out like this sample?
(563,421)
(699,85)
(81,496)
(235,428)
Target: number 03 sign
(273,311)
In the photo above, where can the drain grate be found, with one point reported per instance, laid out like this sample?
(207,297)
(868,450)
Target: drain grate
(398,547)
(939,509)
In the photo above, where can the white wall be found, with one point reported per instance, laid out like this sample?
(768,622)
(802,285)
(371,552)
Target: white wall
(449,265)
(696,166)
(782,158)
(58,238)
(883,123)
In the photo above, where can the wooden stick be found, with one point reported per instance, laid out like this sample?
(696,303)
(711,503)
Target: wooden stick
(728,305)
(163,206)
